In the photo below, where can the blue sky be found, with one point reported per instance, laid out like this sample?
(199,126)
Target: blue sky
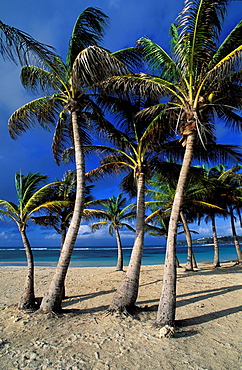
(51,22)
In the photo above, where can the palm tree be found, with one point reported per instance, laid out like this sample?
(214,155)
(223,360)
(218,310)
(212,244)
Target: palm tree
(134,153)
(61,218)
(115,214)
(19,46)
(200,81)
(228,187)
(31,199)
(71,100)
(213,194)
(163,192)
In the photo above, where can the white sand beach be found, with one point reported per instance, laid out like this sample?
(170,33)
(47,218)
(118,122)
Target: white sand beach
(208,333)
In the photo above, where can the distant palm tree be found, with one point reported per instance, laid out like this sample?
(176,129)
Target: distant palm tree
(115,214)
(60,218)
(31,199)
(200,81)
(227,185)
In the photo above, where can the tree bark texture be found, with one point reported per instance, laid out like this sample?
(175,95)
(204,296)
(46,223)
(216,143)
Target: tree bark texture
(27,300)
(189,264)
(53,297)
(167,304)
(126,295)
(216,261)
(236,240)
(120,263)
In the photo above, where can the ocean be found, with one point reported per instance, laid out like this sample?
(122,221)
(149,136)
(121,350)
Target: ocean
(107,256)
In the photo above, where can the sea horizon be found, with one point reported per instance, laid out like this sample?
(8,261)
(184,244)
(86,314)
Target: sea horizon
(104,256)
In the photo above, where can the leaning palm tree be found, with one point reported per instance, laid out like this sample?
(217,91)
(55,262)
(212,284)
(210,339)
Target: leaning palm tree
(69,103)
(200,81)
(31,199)
(114,215)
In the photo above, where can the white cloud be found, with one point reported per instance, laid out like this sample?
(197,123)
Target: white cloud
(53,236)
(4,235)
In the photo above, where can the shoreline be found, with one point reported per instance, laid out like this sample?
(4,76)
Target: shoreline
(83,337)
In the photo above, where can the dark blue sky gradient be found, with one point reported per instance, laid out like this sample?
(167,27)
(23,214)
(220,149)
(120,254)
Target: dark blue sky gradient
(51,22)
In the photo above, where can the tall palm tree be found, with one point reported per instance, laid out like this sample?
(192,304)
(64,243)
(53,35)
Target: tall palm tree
(69,103)
(133,152)
(200,81)
(31,199)
(115,215)
(19,46)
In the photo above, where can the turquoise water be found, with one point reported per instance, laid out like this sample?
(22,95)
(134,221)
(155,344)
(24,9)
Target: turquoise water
(107,256)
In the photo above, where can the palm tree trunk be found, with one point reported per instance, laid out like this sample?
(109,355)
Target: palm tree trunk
(126,295)
(189,264)
(216,262)
(236,240)
(63,236)
(194,262)
(53,297)
(27,300)
(167,304)
(120,261)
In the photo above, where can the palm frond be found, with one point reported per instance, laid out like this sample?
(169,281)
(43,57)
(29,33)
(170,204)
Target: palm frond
(158,59)
(94,65)
(226,67)
(62,136)
(9,214)
(36,79)
(199,24)
(52,206)
(42,111)
(39,197)
(27,185)
(98,225)
(130,57)
(88,30)
(231,118)
(129,227)
(232,41)
(9,206)
(20,47)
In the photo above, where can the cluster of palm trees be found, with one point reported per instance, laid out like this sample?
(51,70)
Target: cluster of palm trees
(181,94)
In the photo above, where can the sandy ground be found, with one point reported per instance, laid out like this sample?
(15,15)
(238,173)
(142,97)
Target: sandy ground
(208,335)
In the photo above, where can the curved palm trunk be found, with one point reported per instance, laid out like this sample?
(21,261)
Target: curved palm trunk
(189,264)
(27,300)
(126,295)
(236,240)
(120,262)
(53,297)
(167,304)
(216,261)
